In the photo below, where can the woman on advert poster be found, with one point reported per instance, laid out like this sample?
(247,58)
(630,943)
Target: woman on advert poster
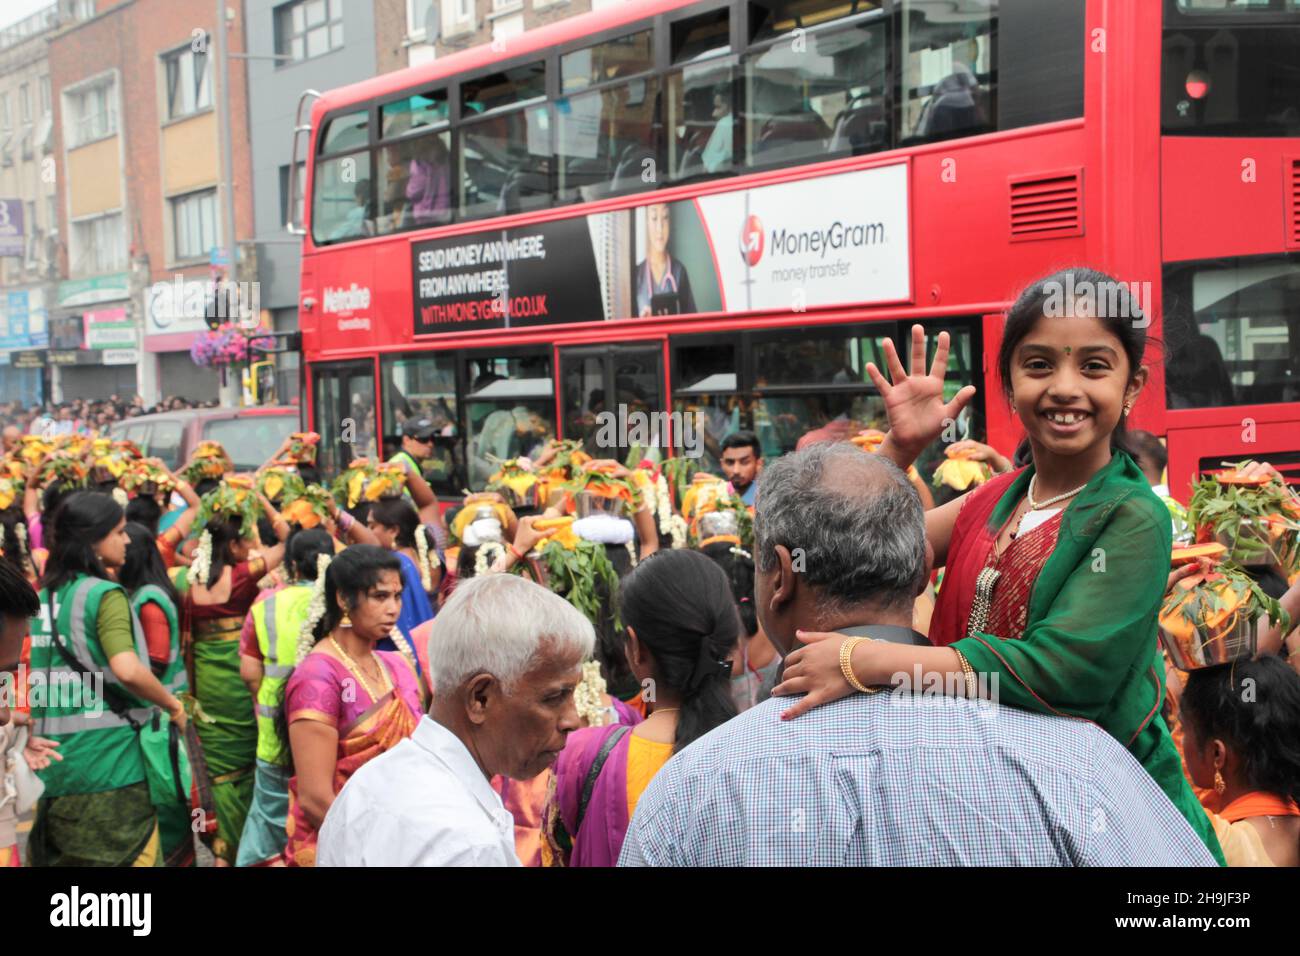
(662,285)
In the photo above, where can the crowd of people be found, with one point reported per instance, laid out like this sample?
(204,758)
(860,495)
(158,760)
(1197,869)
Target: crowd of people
(1045,659)
(82,416)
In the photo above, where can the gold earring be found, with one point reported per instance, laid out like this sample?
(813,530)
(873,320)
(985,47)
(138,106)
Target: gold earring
(345,621)
(1127,409)
(1219,785)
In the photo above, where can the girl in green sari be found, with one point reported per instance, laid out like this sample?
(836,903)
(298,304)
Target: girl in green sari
(1054,573)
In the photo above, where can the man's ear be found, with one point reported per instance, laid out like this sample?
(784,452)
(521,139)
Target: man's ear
(929,568)
(480,692)
(786,584)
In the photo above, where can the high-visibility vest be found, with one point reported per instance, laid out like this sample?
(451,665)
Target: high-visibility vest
(277,621)
(405,457)
(100,749)
(173,676)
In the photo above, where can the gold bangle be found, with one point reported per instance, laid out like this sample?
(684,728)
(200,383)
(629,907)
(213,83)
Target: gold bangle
(846,665)
(972,687)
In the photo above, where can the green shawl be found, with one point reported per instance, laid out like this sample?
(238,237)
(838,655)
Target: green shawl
(1089,645)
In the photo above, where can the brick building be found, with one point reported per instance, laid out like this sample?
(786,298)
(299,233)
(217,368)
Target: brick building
(137,143)
(402,26)
(29,235)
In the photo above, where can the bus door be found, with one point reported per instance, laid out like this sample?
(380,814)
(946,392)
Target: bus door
(612,397)
(343,413)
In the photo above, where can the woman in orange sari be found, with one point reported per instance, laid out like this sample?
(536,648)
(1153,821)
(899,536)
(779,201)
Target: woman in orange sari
(345,703)
(1239,738)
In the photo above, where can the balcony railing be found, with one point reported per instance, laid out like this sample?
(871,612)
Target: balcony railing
(42,21)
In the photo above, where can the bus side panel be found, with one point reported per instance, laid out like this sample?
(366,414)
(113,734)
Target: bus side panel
(1227,434)
(1003,427)
(1223,197)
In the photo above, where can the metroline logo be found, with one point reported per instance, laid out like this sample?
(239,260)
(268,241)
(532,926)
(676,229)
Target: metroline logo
(346,300)
(751,240)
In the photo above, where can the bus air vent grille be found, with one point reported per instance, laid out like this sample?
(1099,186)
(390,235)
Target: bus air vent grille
(1291,183)
(1047,205)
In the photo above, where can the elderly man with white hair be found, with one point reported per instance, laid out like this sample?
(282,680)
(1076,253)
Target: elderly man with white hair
(505,656)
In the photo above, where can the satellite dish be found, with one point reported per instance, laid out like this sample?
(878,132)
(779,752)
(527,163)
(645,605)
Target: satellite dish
(432,24)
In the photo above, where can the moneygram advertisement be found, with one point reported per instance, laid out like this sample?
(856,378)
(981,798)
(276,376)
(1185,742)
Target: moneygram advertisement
(831,240)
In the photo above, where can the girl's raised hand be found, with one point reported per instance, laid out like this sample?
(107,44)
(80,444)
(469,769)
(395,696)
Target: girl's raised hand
(914,401)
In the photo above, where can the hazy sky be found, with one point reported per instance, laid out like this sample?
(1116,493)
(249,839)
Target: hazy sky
(11,11)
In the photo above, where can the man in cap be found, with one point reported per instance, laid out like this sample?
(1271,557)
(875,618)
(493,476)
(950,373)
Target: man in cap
(417,445)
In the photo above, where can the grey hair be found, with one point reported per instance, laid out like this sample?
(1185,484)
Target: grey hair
(498,624)
(857,546)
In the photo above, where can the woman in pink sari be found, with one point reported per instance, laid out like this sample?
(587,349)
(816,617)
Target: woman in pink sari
(682,628)
(345,703)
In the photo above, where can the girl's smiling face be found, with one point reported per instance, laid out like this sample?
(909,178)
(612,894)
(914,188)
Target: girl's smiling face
(1070,380)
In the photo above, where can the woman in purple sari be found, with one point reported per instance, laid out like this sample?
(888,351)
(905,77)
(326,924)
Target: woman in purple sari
(681,629)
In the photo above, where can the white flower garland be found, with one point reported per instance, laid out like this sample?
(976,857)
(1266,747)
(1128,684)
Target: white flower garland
(589,696)
(315,610)
(428,558)
(671,525)
(20,530)
(201,566)
(742,553)
(120,497)
(483,563)
(631,551)
(678,530)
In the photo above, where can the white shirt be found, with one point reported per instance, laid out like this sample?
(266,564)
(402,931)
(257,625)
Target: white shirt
(423,803)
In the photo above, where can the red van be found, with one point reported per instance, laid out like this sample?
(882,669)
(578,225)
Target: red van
(250,435)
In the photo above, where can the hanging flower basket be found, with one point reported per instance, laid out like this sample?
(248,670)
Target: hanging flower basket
(226,345)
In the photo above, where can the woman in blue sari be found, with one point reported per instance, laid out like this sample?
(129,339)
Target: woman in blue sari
(396,524)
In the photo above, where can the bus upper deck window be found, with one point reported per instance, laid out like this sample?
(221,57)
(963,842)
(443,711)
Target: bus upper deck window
(602,62)
(772,18)
(707,35)
(512,86)
(346,132)
(417,111)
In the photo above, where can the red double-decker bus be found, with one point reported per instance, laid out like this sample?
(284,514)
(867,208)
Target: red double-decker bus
(724,207)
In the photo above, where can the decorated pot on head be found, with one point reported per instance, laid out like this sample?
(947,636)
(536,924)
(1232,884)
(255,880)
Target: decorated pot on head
(715,523)
(1214,617)
(588,503)
(485,526)
(303,447)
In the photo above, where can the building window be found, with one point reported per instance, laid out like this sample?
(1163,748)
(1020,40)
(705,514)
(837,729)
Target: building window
(98,245)
(33,233)
(6,130)
(300,187)
(47,99)
(25,102)
(308,28)
(52,214)
(83,9)
(194,224)
(189,88)
(91,114)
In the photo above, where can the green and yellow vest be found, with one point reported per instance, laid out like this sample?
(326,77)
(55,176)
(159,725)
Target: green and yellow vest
(100,749)
(277,622)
